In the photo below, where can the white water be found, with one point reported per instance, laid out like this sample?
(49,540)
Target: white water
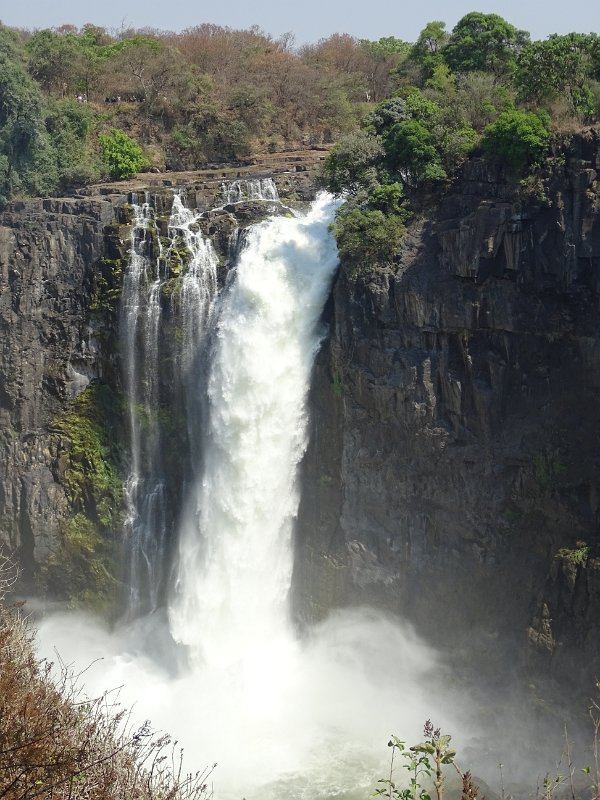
(235,546)
(257,189)
(283,717)
(141,313)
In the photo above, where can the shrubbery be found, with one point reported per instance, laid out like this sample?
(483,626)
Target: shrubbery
(519,138)
(54,743)
(122,157)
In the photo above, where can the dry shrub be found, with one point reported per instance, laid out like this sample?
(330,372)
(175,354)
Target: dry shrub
(54,744)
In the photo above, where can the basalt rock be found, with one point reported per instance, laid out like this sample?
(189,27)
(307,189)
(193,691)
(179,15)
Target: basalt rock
(63,414)
(455,450)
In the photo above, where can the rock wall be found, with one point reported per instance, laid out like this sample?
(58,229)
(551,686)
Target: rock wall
(49,353)
(452,474)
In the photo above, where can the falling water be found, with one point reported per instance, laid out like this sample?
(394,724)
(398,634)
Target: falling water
(148,269)
(251,189)
(286,719)
(144,489)
(235,545)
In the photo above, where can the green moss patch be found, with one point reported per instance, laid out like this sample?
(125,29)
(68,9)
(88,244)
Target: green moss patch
(90,464)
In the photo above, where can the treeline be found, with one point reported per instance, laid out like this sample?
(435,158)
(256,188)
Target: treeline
(483,87)
(80,104)
(207,94)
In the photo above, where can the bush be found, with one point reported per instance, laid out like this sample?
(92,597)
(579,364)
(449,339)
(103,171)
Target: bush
(518,138)
(367,237)
(351,164)
(412,154)
(122,157)
(54,745)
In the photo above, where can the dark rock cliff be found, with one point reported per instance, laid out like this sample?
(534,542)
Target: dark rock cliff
(452,474)
(50,351)
(63,413)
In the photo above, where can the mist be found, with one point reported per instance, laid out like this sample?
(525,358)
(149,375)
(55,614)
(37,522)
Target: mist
(304,718)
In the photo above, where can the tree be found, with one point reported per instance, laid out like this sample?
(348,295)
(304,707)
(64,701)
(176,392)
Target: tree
(484,42)
(519,138)
(351,164)
(559,65)
(383,57)
(427,50)
(122,156)
(54,61)
(69,125)
(27,160)
(412,155)
(367,237)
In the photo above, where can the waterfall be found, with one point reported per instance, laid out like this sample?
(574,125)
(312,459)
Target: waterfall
(235,552)
(189,258)
(285,718)
(251,189)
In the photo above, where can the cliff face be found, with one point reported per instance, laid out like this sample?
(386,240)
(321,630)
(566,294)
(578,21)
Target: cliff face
(49,252)
(452,474)
(64,419)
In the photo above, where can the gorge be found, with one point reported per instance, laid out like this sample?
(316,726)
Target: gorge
(450,477)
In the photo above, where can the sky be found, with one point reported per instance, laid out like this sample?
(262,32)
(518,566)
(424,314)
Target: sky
(309,20)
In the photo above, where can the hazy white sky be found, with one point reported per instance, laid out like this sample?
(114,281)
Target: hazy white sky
(310,20)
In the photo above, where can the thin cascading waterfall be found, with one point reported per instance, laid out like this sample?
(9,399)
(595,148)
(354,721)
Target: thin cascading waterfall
(144,489)
(198,291)
(249,190)
(149,267)
(235,552)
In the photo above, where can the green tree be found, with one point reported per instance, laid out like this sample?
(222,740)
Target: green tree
(367,237)
(70,125)
(27,162)
(55,61)
(427,50)
(122,157)
(351,165)
(518,138)
(411,154)
(484,42)
(560,65)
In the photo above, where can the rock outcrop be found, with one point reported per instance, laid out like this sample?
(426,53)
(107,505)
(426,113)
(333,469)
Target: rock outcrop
(452,473)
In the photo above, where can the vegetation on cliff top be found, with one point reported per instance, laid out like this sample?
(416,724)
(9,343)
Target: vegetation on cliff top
(212,94)
(482,88)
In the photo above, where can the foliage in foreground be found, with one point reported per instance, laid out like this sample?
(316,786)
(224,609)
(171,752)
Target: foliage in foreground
(424,764)
(55,744)
(423,769)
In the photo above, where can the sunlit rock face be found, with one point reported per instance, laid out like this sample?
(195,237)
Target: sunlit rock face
(452,474)
(48,355)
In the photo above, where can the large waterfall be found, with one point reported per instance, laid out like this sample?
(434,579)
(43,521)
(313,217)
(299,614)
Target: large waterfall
(285,718)
(235,547)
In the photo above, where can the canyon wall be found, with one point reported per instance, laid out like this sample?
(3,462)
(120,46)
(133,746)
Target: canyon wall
(452,474)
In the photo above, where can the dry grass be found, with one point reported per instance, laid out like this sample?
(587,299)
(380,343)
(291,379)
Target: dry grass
(55,745)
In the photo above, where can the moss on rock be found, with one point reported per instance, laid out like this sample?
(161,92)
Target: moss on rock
(90,465)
